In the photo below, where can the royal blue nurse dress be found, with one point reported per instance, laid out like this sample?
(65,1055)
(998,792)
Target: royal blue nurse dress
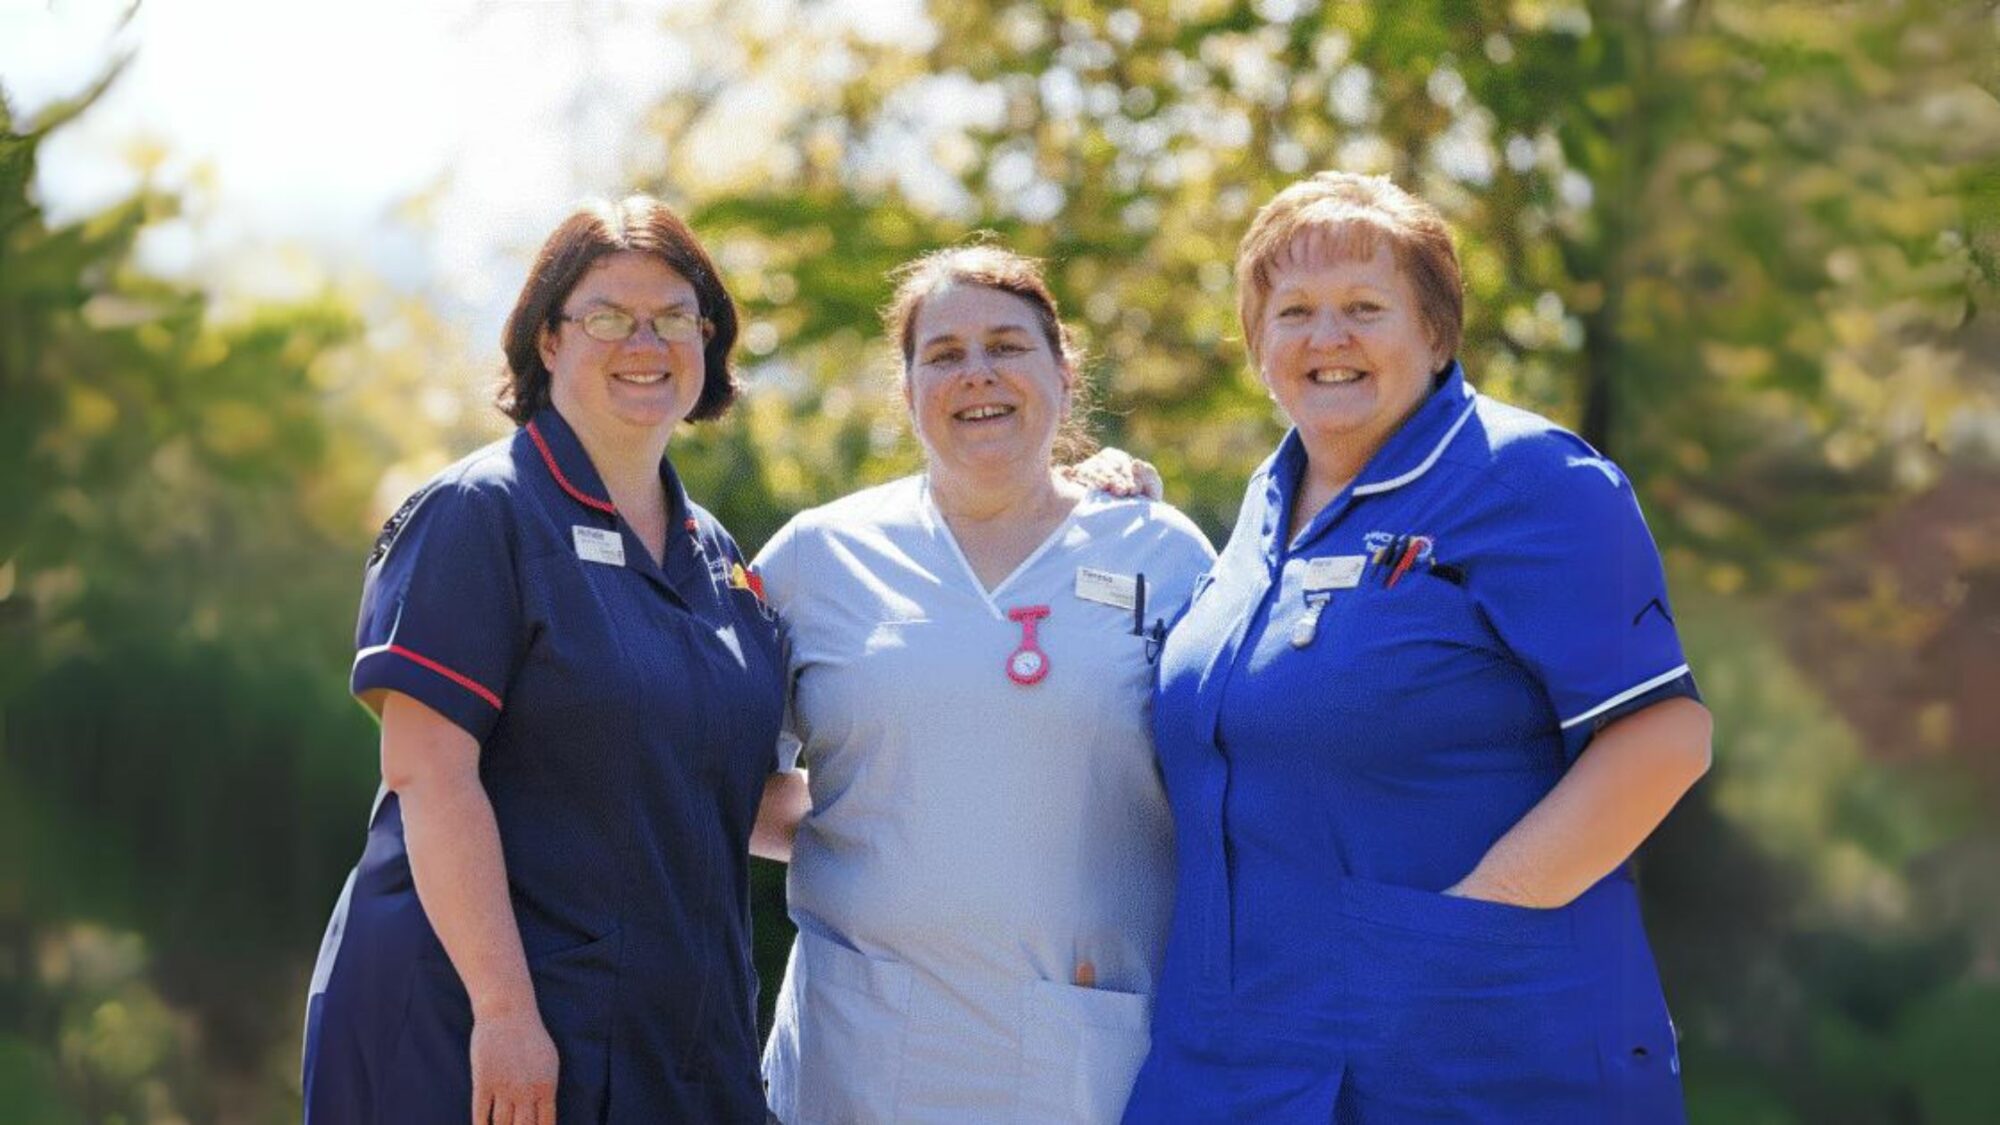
(1347,722)
(626,714)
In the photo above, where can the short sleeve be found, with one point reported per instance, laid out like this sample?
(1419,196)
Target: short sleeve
(1571,581)
(777,568)
(440,608)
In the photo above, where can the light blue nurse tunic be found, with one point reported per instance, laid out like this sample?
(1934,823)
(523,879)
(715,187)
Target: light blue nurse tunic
(1346,723)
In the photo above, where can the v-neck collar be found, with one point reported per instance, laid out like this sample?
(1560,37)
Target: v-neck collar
(935,521)
(683,561)
(1409,453)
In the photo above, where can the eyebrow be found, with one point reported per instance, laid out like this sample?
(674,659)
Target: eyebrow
(1294,291)
(608,303)
(996,330)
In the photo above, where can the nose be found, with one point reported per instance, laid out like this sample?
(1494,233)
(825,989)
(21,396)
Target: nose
(1330,329)
(645,336)
(979,368)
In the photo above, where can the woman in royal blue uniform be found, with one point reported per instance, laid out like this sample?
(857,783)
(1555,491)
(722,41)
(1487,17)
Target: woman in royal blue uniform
(579,690)
(1427,705)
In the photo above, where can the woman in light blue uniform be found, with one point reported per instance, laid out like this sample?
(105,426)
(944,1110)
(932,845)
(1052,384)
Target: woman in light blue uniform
(579,689)
(1413,726)
(982,885)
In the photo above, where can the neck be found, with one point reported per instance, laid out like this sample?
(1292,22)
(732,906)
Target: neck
(979,498)
(629,466)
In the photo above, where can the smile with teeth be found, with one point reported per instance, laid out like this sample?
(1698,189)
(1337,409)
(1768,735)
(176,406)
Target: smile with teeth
(643,378)
(1334,375)
(981,413)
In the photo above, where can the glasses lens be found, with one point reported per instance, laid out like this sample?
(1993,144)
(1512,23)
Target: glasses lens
(609,325)
(678,327)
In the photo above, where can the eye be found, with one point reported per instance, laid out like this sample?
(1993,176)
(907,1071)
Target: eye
(1292,312)
(944,356)
(609,325)
(1364,309)
(1008,347)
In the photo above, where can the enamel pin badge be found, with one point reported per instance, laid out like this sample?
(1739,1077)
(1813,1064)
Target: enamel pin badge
(1029,664)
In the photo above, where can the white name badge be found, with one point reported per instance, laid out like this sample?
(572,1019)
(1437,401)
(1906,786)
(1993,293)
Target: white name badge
(594,544)
(1106,588)
(1339,572)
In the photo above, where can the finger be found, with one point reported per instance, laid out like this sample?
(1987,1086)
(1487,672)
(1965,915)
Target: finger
(503,1111)
(545,1109)
(482,1103)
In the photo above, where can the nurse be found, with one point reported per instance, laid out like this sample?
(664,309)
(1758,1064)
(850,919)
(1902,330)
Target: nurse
(1413,728)
(578,688)
(983,883)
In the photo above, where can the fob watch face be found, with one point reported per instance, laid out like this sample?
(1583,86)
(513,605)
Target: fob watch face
(1027,666)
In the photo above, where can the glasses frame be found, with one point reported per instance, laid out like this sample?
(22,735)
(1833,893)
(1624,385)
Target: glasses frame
(704,332)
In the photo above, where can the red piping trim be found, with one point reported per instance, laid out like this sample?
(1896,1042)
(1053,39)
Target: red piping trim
(555,470)
(466,682)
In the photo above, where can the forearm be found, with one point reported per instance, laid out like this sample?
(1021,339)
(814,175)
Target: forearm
(461,877)
(1612,798)
(786,801)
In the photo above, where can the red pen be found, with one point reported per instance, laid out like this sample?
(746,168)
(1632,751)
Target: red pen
(1410,554)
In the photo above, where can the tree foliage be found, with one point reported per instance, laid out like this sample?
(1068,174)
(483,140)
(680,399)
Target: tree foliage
(1749,247)
(179,541)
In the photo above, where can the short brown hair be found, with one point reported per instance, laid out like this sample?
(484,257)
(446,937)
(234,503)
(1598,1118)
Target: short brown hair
(1358,211)
(638,224)
(993,267)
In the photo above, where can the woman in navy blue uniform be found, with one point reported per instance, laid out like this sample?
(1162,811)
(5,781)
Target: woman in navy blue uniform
(1413,727)
(579,691)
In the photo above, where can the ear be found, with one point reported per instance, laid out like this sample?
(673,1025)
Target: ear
(545,344)
(909,395)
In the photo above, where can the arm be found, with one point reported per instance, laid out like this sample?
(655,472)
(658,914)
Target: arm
(461,878)
(1617,793)
(787,800)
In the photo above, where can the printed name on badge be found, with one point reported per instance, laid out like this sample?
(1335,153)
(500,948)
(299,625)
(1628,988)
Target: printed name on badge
(1339,572)
(1105,588)
(594,544)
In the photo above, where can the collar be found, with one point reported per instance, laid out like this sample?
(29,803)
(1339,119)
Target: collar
(569,465)
(1409,453)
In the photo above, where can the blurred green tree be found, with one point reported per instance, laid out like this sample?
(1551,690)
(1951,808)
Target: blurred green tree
(179,538)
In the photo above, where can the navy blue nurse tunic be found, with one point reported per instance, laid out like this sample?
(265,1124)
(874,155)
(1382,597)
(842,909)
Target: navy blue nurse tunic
(626,714)
(1341,742)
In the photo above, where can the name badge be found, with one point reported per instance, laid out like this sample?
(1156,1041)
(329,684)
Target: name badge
(1339,572)
(594,544)
(1105,588)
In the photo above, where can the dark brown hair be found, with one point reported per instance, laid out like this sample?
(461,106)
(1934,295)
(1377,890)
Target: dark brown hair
(994,267)
(1352,213)
(639,224)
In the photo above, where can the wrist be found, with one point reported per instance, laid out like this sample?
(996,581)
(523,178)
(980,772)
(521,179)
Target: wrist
(503,1002)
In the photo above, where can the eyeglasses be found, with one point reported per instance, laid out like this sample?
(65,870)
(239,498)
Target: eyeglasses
(616,325)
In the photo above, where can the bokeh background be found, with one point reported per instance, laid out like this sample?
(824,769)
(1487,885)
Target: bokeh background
(254,259)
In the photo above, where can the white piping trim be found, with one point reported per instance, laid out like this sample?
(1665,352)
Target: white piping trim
(1629,693)
(1420,470)
(942,529)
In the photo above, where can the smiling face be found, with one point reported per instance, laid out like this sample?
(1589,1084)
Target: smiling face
(637,387)
(985,388)
(1343,346)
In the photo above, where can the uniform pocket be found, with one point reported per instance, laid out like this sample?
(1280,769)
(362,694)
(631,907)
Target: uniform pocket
(1452,916)
(850,1015)
(573,989)
(1080,1050)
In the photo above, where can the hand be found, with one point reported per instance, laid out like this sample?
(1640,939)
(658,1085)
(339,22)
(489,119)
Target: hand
(513,1071)
(1119,473)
